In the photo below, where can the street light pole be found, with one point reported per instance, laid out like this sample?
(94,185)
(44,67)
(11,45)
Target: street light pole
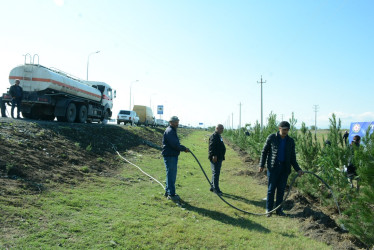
(88,60)
(150,100)
(130,91)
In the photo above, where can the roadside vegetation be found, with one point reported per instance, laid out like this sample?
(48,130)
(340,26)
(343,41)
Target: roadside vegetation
(107,203)
(328,161)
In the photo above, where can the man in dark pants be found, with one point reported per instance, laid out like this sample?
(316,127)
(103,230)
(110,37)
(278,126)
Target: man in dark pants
(217,152)
(16,92)
(351,168)
(171,149)
(3,109)
(279,154)
(345,137)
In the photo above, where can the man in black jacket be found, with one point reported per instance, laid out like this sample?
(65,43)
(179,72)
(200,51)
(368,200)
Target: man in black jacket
(16,92)
(217,152)
(279,154)
(171,149)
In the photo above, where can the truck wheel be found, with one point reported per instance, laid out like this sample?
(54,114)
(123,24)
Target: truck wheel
(82,114)
(71,112)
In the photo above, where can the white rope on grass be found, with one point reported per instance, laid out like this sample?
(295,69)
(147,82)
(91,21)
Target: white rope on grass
(123,158)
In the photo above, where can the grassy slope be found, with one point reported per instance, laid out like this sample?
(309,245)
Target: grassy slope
(128,210)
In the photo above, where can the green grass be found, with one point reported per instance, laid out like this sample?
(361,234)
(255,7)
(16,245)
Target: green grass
(129,211)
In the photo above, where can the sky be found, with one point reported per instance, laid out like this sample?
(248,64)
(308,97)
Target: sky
(203,59)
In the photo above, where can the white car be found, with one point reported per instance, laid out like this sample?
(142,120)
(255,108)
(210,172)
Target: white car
(136,119)
(162,123)
(127,116)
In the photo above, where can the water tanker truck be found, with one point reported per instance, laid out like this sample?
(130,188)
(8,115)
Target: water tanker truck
(50,93)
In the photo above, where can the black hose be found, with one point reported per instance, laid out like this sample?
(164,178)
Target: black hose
(292,182)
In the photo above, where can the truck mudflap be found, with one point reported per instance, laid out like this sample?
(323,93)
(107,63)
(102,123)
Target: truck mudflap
(60,108)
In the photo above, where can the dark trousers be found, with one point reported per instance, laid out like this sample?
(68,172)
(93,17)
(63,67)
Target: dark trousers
(171,165)
(277,180)
(16,102)
(216,170)
(3,109)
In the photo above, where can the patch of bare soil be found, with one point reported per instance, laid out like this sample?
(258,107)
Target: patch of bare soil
(315,221)
(36,155)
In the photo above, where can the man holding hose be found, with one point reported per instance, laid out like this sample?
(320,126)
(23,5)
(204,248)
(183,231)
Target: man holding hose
(279,154)
(171,149)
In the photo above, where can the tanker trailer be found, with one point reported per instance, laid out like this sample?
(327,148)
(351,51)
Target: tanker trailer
(50,93)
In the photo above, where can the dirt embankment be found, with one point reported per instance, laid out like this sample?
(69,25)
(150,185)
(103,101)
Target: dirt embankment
(37,154)
(316,221)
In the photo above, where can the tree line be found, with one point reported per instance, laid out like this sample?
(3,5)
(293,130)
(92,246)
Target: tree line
(328,160)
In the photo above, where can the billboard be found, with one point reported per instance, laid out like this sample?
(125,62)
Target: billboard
(360,128)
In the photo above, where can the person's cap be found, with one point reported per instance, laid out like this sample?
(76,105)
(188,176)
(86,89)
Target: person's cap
(17,81)
(174,119)
(284,125)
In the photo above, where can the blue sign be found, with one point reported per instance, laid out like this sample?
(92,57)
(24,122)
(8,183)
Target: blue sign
(360,128)
(200,123)
(160,109)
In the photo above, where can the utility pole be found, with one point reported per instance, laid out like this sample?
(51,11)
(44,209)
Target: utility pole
(261,82)
(240,115)
(315,109)
(232,120)
(282,117)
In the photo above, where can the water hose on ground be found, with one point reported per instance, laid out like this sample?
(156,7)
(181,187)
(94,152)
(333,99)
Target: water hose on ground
(285,198)
(220,196)
(123,158)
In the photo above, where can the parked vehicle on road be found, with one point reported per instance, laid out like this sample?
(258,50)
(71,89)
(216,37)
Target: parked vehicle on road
(127,116)
(49,93)
(145,115)
(136,119)
(161,123)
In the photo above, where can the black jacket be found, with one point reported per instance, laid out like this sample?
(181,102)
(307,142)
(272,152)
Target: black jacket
(216,147)
(270,151)
(13,91)
(170,143)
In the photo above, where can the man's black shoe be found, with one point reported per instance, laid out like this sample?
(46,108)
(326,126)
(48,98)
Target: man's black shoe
(219,192)
(166,194)
(269,214)
(174,197)
(281,213)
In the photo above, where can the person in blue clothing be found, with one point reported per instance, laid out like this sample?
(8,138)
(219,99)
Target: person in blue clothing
(279,154)
(16,92)
(171,149)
